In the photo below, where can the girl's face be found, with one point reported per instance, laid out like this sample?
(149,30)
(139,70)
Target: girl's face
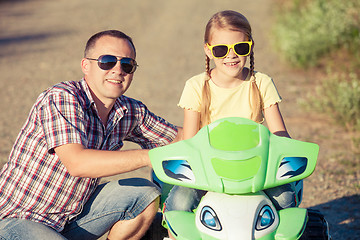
(232,64)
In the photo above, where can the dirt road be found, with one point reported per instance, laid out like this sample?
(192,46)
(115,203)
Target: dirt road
(41,43)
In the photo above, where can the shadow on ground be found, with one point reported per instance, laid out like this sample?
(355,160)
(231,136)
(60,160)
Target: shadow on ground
(341,224)
(12,1)
(12,45)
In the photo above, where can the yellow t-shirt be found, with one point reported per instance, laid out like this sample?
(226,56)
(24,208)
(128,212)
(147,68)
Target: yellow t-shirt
(228,102)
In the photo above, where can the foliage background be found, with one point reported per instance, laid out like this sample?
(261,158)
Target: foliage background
(325,35)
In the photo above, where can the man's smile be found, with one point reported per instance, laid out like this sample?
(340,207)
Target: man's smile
(116,81)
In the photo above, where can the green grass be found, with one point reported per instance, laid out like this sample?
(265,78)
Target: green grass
(305,32)
(311,32)
(339,96)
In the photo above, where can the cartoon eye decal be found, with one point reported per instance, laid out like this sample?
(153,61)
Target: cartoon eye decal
(265,218)
(291,167)
(209,219)
(179,170)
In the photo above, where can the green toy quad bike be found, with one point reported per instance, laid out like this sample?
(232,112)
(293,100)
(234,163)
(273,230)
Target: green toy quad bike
(234,159)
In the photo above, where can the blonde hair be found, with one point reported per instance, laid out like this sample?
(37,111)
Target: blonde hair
(233,21)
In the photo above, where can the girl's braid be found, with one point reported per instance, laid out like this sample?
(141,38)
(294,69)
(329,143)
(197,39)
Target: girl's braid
(252,63)
(256,100)
(206,98)
(207,66)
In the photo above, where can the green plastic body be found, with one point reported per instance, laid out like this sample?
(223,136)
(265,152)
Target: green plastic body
(236,156)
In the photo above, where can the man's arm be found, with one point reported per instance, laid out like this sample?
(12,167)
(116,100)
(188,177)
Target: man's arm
(82,162)
(92,163)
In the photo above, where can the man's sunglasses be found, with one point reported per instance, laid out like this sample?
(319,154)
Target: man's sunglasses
(107,62)
(222,50)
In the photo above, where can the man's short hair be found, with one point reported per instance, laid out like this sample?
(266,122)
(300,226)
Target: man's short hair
(112,33)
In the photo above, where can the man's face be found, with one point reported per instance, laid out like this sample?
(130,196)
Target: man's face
(108,85)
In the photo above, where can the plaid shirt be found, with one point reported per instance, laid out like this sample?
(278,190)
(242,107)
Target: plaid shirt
(35,185)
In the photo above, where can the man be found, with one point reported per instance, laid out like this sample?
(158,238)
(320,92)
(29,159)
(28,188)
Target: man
(49,186)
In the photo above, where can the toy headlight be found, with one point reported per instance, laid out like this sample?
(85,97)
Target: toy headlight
(265,218)
(209,219)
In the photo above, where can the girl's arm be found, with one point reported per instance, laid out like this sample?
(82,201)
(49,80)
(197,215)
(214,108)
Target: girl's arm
(275,121)
(191,123)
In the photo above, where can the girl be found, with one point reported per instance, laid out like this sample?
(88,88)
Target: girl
(229,90)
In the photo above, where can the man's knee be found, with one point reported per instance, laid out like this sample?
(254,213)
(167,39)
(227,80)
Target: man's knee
(150,211)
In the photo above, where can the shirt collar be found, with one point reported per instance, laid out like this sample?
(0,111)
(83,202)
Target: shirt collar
(89,98)
(119,106)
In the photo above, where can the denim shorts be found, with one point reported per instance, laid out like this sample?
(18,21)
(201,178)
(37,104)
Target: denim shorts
(113,201)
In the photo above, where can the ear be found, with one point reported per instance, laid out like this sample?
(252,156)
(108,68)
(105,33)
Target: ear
(207,51)
(85,66)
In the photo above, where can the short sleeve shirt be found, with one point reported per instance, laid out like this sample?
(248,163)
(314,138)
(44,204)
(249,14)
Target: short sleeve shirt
(35,185)
(228,102)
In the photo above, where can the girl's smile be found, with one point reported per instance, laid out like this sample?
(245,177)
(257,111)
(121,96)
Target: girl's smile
(231,64)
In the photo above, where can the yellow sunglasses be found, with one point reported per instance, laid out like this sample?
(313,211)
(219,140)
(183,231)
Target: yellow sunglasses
(222,50)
